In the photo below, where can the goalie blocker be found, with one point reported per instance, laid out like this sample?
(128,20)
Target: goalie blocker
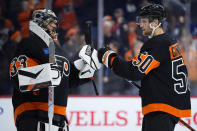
(36,77)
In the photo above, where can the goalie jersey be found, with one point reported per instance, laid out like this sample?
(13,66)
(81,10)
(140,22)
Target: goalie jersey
(164,78)
(32,51)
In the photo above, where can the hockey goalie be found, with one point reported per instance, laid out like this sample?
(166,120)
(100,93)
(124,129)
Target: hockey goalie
(36,67)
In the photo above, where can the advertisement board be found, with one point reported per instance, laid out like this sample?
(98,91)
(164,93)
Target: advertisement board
(98,113)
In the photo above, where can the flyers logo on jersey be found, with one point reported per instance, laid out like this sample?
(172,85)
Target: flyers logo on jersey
(62,65)
(145,62)
(66,68)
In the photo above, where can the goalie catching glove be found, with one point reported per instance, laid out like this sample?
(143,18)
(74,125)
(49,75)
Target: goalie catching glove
(85,70)
(89,56)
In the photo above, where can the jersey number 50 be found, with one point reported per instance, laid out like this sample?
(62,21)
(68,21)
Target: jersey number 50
(179,75)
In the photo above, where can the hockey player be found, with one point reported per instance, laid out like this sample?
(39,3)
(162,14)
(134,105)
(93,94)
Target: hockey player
(160,67)
(32,74)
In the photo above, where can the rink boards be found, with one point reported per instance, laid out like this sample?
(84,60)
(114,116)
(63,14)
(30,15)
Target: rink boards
(90,113)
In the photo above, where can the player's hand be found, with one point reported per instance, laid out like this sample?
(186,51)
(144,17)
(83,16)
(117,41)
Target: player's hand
(85,70)
(89,55)
(105,54)
(101,53)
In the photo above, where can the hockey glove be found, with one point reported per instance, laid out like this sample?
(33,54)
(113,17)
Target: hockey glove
(85,70)
(105,56)
(89,55)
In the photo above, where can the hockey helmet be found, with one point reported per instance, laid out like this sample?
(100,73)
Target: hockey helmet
(153,11)
(43,17)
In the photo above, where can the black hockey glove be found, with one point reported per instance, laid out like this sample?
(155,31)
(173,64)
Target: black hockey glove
(105,54)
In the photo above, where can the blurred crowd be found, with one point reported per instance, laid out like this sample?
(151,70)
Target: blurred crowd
(121,34)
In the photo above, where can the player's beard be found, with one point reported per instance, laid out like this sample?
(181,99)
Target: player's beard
(147,32)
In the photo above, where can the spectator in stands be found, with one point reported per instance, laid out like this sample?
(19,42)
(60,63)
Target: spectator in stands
(37,4)
(108,24)
(131,9)
(25,15)
(191,61)
(132,36)
(5,28)
(65,10)
(113,84)
(134,43)
(71,46)
(10,47)
(119,30)
(4,40)
(179,29)
(4,33)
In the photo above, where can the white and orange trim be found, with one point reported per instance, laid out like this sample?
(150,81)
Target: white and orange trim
(106,57)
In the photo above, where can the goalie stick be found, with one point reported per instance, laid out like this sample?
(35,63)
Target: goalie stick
(88,40)
(51,88)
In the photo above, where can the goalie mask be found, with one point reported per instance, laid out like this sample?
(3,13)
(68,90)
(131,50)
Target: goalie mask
(45,17)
